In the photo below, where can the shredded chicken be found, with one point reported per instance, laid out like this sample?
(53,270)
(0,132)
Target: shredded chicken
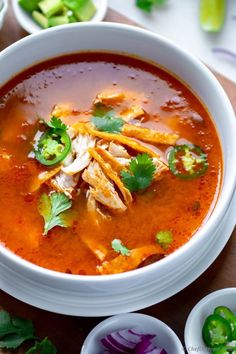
(113,175)
(149,135)
(64,183)
(109,98)
(131,113)
(80,146)
(161,169)
(113,161)
(122,263)
(118,150)
(103,189)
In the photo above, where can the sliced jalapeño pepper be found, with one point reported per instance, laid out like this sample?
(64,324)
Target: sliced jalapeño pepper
(227,314)
(187,161)
(216,331)
(53,147)
(226,349)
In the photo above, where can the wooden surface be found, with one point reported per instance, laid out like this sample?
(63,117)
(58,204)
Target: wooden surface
(68,333)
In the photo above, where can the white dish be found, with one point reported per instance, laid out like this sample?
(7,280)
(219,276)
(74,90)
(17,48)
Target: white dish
(112,294)
(165,336)
(3,11)
(26,21)
(204,308)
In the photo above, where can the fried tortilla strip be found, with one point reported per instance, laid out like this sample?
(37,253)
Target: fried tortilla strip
(115,137)
(109,98)
(107,168)
(131,113)
(122,263)
(115,164)
(103,189)
(44,177)
(60,111)
(149,135)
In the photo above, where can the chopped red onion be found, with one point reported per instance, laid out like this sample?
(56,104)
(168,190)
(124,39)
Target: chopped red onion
(130,341)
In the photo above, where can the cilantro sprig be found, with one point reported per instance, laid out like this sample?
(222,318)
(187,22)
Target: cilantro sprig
(148,5)
(15,330)
(56,123)
(140,174)
(51,208)
(108,123)
(119,247)
(43,347)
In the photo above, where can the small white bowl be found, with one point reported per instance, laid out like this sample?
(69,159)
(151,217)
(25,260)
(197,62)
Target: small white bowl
(165,336)
(3,11)
(204,308)
(27,22)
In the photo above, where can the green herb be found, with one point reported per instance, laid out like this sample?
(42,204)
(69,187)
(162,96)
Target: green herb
(140,174)
(164,238)
(212,14)
(14,331)
(119,248)
(147,5)
(108,123)
(43,347)
(51,208)
(56,123)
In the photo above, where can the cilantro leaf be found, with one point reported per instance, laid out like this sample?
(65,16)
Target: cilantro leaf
(140,174)
(43,347)
(56,123)
(164,238)
(14,330)
(119,248)
(147,5)
(51,208)
(108,123)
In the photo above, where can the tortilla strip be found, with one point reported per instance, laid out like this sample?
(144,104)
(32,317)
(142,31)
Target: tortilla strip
(131,113)
(109,98)
(115,164)
(80,127)
(149,135)
(122,264)
(106,167)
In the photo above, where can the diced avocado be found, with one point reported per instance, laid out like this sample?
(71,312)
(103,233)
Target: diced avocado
(29,5)
(57,20)
(83,10)
(51,7)
(40,19)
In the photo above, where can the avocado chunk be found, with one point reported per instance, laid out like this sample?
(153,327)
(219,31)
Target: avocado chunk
(51,7)
(29,6)
(40,19)
(83,10)
(58,20)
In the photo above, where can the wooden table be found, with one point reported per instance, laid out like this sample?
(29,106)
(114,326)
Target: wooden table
(68,333)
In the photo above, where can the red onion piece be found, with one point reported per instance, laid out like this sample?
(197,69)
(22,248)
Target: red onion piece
(130,341)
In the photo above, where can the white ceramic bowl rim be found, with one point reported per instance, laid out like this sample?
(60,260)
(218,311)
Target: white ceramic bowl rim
(224,198)
(3,9)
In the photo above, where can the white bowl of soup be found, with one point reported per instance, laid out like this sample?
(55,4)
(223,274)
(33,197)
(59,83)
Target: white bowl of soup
(117,169)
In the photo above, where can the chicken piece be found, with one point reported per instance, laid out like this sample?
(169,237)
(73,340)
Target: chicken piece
(161,169)
(103,190)
(99,251)
(118,150)
(122,263)
(135,145)
(107,168)
(80,146)
(131,113)
(64,183)
(93,207)
(109,98)
(149,135)
(44,177)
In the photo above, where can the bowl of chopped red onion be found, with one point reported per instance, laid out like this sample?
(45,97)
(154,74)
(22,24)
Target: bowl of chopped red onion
(132,333)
